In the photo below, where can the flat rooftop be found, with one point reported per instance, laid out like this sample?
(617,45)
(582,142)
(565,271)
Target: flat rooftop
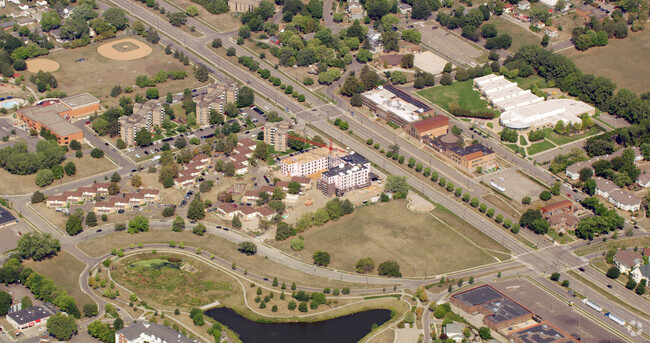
(6,216)
(523,99)
(550,111)
(64,128)
(542,333)
(504,309)
(389,102)
(471,149)
(406,97)
(48,116)
(311,155)
(479,295)
(31,314)
(80,100)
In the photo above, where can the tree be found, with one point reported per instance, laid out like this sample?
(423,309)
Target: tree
(168,212)
(201,73)
(192,11)
(196,210)
(61,326)
(389,268)
(152,93)
(5,302)
(91,219)
(97,153)
(217,43)
(446,79)
(177,18)
(26,302)
(138,224)
(178,224)
(321,258)
(73,225)
(90,309)
(38,197)
(50,20)
(246,97)
(37,246)
(484,333)
(412,36)
(397,185)
(555,276)
(116,17)
(248,248)
(44,177)
(365,265)
(545,195)
(640,287)
(545,40)
(315,8)
(613,272)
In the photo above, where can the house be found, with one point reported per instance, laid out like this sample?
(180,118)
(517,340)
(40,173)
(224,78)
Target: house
(640,273)
(565,206)
(73,196)
(265,213)
(140,332)
(104,207)
(624,200)
(245,147)
(135,198)
(523,5)
(250,196)
(604,187)
(305,182)
(184,181)
(390,61)
(404,8)
(432,127)
(247,213)
(573,171)
(508,8)
(643,180)
(240,168)
(101,188)
(627,260)
(87,192)
(551,31)
(56,201)
(355,10)
(454,331)
(151,194)
(227,211)
(645,251)
(586,12)
(30,317)
(121,203)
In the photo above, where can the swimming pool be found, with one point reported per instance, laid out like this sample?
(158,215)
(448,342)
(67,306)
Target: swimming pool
(9,104)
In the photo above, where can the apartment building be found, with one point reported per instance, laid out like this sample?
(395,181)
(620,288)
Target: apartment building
(216,96)
(353,172)
(145,116)
(275,135)
(310,162)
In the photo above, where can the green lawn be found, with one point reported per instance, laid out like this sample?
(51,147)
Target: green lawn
(512,146)
(461,93)
(526,82)
(563,139)
(419,243)
(520,35)
(522,140)
(539,147)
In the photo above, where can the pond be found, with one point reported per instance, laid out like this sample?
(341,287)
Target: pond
(346,329)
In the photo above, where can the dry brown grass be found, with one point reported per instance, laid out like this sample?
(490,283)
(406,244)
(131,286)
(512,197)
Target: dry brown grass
(388,336)
(418,242)
(220,247)
(22,184)
(64,269)
(98,74)
(625,61)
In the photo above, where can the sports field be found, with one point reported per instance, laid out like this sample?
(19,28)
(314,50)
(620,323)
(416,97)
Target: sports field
(458,92)
(420,243)
(625,61)
(98,74)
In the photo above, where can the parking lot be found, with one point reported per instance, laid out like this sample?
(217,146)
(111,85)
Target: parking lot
(554,311)
(446,44)
(515,185)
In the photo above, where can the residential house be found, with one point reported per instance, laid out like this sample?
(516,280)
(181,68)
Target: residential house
(508,8)
(563,222)
(564,206)
(355,10)
(140,332)
(643,180)
(604,187)
(250,196)
(104,207)
(624,200)
(56,201)
(265,213)
(523,5)
(247,213)
(390,61)
(405,8)
(151,195)
(586,12)
(640,273)
(454,331)
(305,182)
(627,260)
(184,181)
(551,31)
(227,211)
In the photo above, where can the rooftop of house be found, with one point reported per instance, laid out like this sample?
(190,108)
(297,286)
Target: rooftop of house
(567,218)
(605,185)
(625,198)
(628,258)
(301,180)
(393,59)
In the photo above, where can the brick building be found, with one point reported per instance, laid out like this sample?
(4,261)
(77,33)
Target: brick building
(51,117)
(432,127)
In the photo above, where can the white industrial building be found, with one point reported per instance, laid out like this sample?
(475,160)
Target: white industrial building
(523,110)
(394,105)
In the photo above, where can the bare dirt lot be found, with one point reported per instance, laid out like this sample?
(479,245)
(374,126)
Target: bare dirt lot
(42,64)
(124,49)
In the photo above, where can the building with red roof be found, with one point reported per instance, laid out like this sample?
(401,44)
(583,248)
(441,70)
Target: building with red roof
(432,127)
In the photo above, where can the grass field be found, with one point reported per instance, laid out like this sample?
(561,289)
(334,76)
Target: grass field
(220,247)
(458,92)
(526,82)
(22,184)
(418,242)
(98,74)
(222,22)
(562,139)
(520,36)
(619,243)
(189,283)
(64,269)
(536,148)
(625,61)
